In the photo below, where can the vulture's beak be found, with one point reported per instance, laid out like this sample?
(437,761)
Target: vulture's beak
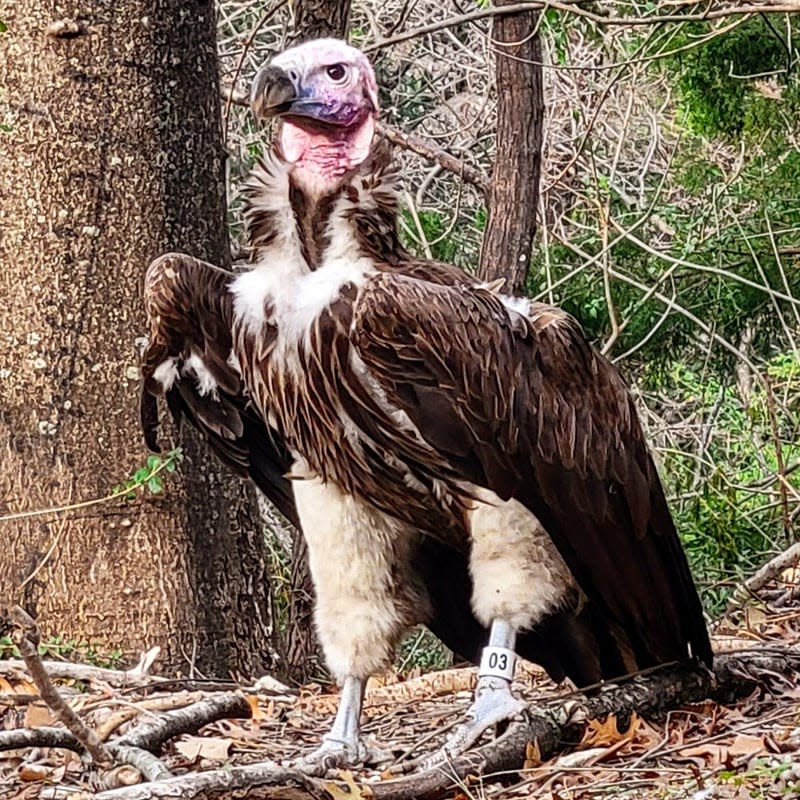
(273,92)
(287,93)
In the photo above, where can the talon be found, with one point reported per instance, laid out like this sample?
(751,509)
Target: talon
(331,754)
(493,703)
(336,753)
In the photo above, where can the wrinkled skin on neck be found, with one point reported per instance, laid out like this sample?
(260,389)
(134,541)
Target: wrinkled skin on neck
(323,154)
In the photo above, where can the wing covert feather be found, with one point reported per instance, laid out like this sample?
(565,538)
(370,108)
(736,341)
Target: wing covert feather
(191,316)
(527,408)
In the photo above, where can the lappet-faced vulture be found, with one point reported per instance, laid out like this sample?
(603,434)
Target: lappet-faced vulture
(454,454)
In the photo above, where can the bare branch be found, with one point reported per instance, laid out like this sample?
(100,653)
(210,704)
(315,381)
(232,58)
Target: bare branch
(27,639)
(572,7)
(433,152)
(783,561)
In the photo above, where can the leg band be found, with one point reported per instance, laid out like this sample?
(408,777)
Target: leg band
(498,662)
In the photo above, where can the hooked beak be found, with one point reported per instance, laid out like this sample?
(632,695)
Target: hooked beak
(276,93)
(273,93)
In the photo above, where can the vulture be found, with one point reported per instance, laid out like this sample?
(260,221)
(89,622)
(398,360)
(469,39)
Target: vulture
(453,456)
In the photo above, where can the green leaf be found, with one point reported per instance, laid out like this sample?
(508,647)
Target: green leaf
(153,462)
(3,26)
(141,474)
(155,485)
(171,466)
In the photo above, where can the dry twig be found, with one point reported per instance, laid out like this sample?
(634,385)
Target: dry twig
(27,639)
(772,569)
(136,676)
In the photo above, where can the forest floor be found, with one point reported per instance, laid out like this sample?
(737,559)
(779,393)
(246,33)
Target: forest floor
(749,748)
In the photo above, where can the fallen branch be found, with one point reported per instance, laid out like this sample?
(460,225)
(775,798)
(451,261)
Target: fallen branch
(249,780)
(135,676)
(27,640)
(550,726)
(734,675)
(148,764)
(151,735)
(168,702)
(772,569)
(39,737)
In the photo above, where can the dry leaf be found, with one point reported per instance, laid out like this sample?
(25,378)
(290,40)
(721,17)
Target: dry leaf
(351,791)
(770,89)
(256,712)
(755,616)
(38,716)
(33,772)
(21,686)
(746,745)
(194,747)
(704,755)
(605,733)
(533,755)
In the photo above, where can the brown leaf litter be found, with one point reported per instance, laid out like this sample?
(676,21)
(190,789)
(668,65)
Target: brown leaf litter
(704,751)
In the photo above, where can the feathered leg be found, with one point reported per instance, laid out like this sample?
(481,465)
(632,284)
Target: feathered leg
(366,600)
(518,579)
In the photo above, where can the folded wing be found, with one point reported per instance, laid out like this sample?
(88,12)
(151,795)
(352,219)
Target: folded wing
(524,406)
(190,360)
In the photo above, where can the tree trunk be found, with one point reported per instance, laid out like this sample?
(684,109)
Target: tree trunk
(514,192)
(300,648)
(314,19)
(113,156)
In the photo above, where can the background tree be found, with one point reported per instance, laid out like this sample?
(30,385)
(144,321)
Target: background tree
(514,190)
(112,154)
(667,223)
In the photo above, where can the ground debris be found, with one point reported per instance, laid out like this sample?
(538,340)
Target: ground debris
(739,749)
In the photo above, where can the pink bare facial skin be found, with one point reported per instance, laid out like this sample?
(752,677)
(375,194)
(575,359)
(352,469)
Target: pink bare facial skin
(329,156)
(335,132)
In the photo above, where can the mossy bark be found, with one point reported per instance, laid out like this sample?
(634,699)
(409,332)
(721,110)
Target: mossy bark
(112,155)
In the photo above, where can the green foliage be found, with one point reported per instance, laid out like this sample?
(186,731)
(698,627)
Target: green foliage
(421,650)
(763,773)
(728,230)
(3,26)
(727,494)
(63,649)
(717,79)
(150,478)
(447,242)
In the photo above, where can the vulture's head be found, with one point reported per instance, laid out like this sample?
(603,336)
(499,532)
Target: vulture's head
(325,94)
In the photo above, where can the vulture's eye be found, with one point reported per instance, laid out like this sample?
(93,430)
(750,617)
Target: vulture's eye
(336,72)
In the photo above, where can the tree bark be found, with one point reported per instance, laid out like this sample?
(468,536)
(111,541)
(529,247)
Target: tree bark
(314,19)
(113,156)
(514,192)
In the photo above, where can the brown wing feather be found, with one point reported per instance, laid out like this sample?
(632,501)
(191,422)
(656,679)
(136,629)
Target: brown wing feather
(528,409)
(190,312)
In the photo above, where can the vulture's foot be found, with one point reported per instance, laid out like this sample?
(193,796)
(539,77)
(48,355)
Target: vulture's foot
(337,754)
(493,703)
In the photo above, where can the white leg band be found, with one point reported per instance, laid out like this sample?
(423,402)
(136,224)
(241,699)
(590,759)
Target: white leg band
(498,662)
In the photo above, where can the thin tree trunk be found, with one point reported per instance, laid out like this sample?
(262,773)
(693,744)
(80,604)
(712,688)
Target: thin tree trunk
(114,156)
(514,192)
(314,19)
